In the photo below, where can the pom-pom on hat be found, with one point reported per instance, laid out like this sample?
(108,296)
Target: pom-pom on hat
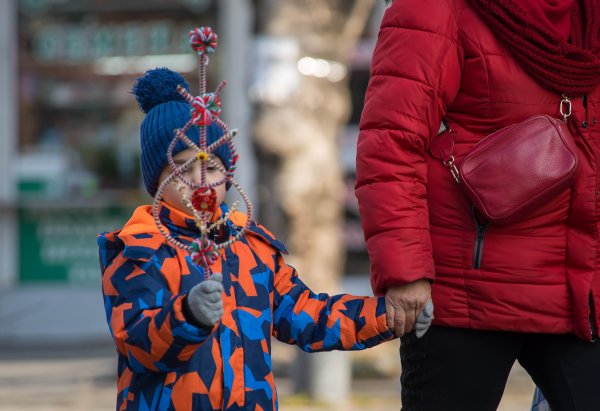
(166,110)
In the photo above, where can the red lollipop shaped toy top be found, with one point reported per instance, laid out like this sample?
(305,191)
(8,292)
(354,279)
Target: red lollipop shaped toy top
(203,40)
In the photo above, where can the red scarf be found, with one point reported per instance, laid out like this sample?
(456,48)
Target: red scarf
(556,41)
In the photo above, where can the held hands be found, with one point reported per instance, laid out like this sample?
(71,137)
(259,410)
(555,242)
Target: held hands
(424,319)
(409,305)
(205,301)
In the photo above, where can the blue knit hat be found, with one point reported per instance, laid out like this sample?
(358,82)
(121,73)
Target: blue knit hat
(157,96)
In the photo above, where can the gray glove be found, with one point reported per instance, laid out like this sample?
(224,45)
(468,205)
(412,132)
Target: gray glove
(205,302)
(424,319)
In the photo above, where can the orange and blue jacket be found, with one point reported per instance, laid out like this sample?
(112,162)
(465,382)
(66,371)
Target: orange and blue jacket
(168,363)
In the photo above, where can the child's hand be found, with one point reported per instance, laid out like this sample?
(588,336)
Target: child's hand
(424,319)
(205,301)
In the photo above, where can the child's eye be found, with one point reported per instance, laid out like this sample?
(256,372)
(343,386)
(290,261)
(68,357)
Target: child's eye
(186,172)
(211,169)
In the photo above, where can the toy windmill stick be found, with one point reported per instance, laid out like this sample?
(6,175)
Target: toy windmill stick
(206,108)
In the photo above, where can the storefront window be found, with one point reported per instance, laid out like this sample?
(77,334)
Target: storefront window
(78,168)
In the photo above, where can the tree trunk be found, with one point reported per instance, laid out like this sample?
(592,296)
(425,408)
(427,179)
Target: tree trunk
(300,134)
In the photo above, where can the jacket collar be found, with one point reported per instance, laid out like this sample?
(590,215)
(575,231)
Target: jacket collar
(140,238)
(183,226)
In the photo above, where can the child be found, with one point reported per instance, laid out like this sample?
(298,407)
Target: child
(185,343)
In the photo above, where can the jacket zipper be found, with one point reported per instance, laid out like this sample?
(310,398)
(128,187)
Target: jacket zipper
(593,328)
(480,230)
(585,124)
(585,120)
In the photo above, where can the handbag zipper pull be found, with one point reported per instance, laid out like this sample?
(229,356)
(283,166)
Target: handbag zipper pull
(565,107)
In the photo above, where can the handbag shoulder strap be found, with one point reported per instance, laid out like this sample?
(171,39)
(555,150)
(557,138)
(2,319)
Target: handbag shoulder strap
(442,148)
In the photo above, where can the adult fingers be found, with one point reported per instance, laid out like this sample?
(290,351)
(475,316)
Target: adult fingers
(426,315)
(400,321)
(410,319)
(428,310)
(389,315)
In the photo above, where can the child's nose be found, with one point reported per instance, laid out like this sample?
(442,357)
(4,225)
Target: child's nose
(197,172)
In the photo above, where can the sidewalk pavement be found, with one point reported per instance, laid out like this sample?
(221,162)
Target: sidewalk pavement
(82,378)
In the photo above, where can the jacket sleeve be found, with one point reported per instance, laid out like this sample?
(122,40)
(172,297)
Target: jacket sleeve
(415,75)
(319,322)
(145,319)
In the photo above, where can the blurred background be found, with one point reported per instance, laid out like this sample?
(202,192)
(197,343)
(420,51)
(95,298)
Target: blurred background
(296,73)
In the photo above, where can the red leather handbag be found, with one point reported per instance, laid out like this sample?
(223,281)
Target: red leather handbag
(515,170)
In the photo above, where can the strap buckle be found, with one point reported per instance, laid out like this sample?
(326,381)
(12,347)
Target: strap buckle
(453,169)
(566,108)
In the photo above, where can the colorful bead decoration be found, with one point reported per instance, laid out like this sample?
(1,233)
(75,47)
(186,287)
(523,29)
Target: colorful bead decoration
(203,251)
(205,108)
(204,200)
(203,40)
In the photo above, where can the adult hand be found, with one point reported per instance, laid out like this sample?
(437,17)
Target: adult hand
(404,303)
(206,302)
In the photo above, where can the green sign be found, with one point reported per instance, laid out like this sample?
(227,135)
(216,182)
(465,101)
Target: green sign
(84,42)
(59,244)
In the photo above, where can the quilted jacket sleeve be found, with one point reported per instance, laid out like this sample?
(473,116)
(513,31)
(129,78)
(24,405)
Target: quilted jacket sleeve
(319,322)
(415,75)
(145,318)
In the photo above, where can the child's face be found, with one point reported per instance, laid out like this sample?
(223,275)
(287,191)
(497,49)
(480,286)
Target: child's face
(172,195)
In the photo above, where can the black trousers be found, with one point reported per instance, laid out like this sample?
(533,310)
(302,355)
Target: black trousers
(454,369)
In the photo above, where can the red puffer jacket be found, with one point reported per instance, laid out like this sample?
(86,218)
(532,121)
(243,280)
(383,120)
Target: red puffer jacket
(437,59)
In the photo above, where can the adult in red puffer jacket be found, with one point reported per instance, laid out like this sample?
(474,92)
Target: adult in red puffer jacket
(527,291)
